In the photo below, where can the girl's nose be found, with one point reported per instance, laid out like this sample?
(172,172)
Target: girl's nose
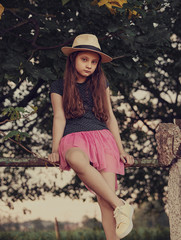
(89,65)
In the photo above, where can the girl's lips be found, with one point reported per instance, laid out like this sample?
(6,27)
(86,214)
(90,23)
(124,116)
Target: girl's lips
(86,71)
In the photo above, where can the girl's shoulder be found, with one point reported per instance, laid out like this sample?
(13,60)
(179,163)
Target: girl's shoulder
(57,86)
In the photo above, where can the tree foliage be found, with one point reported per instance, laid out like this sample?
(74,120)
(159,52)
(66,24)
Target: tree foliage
(145,75)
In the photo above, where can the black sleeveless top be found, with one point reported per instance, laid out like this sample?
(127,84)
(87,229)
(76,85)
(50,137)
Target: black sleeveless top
(87,122)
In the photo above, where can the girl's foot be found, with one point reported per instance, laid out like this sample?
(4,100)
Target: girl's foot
(123,216)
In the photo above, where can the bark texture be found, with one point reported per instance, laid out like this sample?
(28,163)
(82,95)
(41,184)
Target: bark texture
(168,139)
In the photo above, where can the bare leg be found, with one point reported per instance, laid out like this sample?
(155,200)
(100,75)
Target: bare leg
(79,162)
(108,220)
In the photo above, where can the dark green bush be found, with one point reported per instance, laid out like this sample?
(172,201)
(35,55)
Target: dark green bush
(159,233)
(87,234)
(30,235)
(6,236)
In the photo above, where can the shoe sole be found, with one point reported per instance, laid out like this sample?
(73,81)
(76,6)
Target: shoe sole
(129,228)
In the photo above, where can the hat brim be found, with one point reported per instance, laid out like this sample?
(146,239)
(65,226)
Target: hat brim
(104,57)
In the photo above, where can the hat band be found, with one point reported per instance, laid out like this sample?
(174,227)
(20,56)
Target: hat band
(88,47)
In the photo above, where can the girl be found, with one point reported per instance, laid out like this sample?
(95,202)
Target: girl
(85,132)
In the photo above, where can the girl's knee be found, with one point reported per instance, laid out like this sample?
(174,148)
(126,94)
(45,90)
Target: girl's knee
(77,159)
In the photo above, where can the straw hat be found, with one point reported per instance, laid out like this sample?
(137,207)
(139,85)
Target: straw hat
(86,42)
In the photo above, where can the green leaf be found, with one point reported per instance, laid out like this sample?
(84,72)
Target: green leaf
(8,111)
(35,108)
(119,69)
(121,10)
(17,134)
(9,77)
(19,109)
(11,134)
(128,64)
(14,113)
(113,27)
(65,2)
(21,136)
(44,73)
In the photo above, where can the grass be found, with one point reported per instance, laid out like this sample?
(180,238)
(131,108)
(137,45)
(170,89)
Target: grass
(87,234)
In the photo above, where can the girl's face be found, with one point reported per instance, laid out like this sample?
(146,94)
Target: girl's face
(86,63)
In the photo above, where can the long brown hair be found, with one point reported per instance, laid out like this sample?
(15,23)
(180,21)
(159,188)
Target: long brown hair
(72,102)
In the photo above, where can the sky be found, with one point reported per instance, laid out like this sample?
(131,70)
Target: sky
(64,209)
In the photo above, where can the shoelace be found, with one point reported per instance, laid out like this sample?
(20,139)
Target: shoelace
(119,216)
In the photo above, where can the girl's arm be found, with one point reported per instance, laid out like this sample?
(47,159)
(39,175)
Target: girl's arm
(59,122)
(113,127)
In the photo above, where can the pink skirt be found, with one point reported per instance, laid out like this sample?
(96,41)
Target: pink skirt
(100,146)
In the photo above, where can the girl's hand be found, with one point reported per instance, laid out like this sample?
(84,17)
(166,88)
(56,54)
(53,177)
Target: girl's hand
(127,159)
(54,157)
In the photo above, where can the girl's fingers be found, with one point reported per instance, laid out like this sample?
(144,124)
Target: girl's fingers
(123,159)
(130,160)
(127,159)
(53,157)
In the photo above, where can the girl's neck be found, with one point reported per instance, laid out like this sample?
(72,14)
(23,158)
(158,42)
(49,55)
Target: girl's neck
(81,79)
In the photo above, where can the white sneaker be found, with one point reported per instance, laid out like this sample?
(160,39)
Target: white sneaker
(123,216)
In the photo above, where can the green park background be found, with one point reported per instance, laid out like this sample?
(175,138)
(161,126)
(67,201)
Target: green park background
(143,37)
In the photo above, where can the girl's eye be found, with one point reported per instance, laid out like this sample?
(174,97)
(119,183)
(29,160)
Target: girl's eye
(84,59)
(94,62)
